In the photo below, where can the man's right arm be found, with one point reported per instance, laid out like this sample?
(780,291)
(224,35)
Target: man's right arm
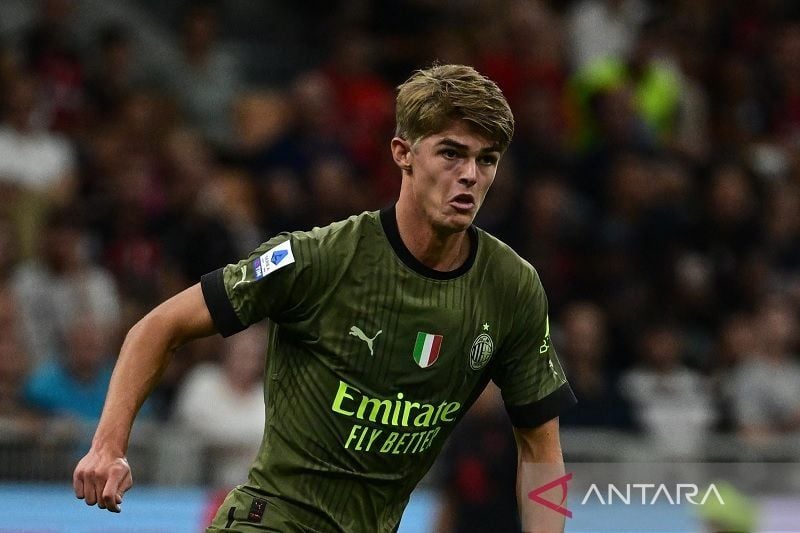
(103,475)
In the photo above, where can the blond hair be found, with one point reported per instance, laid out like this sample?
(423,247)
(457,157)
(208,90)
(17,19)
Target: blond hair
(432,98)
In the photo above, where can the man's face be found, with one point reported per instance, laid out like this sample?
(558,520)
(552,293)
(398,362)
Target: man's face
(450,174)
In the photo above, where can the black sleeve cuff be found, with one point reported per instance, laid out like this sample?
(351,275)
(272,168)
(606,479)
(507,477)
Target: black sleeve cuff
(537,413)
(222,313)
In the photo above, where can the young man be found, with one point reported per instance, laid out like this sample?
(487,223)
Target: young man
(385,328)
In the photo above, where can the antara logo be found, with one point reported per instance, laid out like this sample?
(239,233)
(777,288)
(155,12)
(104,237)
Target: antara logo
(652,494)
(626,494)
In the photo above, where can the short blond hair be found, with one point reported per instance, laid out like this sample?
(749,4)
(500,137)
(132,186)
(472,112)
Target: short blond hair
(432,98)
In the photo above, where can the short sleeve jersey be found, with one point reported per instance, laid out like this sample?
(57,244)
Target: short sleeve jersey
(374,357)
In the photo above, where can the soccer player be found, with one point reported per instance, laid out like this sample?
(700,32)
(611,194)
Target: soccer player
(385,327)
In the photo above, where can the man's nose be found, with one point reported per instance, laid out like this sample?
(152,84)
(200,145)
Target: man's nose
(469,173)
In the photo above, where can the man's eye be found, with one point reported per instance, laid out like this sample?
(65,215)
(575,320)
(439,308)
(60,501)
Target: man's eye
(449,154)
(488,160)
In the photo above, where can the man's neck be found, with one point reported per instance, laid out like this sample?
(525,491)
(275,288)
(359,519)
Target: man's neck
(439,250)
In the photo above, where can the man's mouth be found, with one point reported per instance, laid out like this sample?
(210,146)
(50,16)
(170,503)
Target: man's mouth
(463,202)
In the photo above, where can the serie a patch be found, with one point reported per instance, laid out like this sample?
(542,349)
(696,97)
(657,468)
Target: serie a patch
(274,259)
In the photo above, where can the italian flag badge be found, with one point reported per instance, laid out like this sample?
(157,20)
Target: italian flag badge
(426,349)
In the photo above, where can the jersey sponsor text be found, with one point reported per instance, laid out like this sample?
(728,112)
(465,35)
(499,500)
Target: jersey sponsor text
(398,413)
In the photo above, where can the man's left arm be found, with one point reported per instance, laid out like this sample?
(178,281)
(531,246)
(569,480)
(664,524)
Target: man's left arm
(539,462)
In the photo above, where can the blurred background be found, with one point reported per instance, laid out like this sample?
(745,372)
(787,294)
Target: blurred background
(653,181)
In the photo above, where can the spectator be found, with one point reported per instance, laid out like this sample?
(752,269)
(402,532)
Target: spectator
(524,51)
(336,190)
(16,418)
(785,74)
(233,193)
(9,66)
(583,345)
(207,79)
(364,98)
(189,216)
(629,193)
(9,250)
(51,51)
(782,230)
(599,29)
(741,110)
(650,78)
(478,470)
(119,203)
(730,234)
(62,282)
(37,168)
(127,184)
(670,402)
(112,77)
(737,343)
(223,404)
(549,223)
(766,384)
(74,385)
(261,118)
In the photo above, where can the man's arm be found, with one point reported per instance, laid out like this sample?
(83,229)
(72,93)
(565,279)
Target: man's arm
(539,461)
(103,475)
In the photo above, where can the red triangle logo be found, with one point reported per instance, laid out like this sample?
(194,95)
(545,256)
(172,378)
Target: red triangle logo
(534,495)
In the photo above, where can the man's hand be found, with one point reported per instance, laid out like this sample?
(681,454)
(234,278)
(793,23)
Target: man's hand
(102,478)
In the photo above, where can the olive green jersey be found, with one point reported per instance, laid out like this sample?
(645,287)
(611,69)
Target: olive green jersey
(374,357)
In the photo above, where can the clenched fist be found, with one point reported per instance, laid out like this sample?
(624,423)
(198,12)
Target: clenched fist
(102,478)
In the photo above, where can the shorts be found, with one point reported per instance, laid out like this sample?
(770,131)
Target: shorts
(244,511)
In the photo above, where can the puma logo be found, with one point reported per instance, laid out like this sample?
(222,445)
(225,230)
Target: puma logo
(244,275)
(355,331)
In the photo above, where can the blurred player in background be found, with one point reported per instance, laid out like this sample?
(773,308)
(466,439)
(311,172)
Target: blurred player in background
(386,327)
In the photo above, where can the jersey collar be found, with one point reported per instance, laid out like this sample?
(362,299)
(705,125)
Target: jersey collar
(389,223)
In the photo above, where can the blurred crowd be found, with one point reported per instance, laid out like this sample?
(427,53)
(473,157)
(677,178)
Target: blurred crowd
(653,181)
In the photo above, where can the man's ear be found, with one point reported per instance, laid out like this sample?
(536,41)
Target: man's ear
(401,153)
